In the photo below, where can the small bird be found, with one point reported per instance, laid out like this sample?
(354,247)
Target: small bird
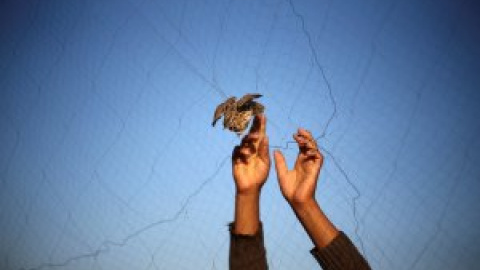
(238,113)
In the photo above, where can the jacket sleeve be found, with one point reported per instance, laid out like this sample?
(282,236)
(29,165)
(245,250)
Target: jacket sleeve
(247,251)
(340,254)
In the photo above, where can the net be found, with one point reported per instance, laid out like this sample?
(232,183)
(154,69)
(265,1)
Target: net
(108,159)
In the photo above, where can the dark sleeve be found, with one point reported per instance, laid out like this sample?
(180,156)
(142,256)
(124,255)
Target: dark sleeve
(340,254)
(247,252)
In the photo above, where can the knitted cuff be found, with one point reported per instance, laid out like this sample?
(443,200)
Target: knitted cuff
(340,254)
(247,251)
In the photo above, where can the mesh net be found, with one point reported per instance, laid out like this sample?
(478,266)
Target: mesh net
(108,159)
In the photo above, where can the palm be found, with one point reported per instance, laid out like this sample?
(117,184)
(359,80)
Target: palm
(300,182)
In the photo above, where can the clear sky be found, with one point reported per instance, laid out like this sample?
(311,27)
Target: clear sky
(108,159)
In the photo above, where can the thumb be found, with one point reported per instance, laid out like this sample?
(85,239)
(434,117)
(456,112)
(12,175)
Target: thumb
(280,164)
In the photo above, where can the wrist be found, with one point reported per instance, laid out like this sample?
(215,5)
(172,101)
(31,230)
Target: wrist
(306,205)
(248,192)
(248,197)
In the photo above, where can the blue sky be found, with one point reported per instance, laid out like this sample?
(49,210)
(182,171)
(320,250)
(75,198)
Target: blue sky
(108,159)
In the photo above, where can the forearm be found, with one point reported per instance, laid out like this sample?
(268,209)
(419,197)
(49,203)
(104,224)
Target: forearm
(247,212)
(333,250)
(320,229)
(247,250)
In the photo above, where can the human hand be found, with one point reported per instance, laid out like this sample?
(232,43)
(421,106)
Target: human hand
(250,159)
(298,185)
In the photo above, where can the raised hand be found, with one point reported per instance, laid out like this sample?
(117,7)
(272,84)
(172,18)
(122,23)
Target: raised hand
(251,164)
(298,185)
(250,159)
(298,188)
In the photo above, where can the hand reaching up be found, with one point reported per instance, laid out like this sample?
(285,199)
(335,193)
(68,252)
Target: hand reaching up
(298,185)
(298,188)
(250,159)
(251,164)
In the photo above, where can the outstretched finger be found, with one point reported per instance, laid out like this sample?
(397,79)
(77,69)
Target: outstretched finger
(259,123)
(263,150)
(263,123)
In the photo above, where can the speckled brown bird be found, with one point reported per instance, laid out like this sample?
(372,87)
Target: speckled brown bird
(238,113)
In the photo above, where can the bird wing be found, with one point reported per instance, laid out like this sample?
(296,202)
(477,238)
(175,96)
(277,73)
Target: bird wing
(247,99)
(221,109)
